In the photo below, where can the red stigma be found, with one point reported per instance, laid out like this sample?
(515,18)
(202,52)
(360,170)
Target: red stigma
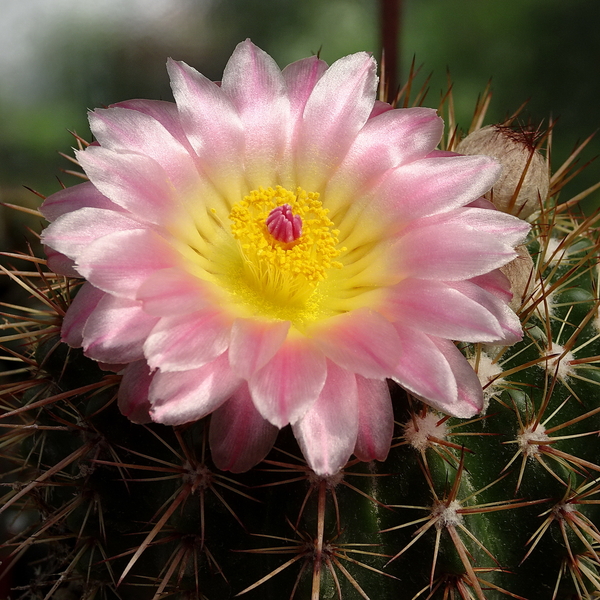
(284,225)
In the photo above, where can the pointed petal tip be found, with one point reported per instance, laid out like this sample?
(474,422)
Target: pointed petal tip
(327,433)
(287,386)
(375,420)
(239,437)
(133,392)
(177,66)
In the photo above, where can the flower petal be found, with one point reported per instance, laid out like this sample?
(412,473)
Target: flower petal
(256,87)
(119,263)
(361,341)
(133,181)
(166,113)
(393,138)
(254,342)
(443,310)
(116,330)
(286,387)
(450,252)
(433,185)
(239,437)
(133,392)
(495,282)
(379,108)
(80,309)
(59,263)
(511,331)
(73,232)
(173,292)
(375,419)
(424,370)
(493,222)
(212,125)
(188,341)
(327,432)
(336,110)
(470,392)
(74,198)
(132,131)
(184,396)
(300,78)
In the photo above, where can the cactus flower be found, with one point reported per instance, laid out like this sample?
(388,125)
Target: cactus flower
(271,249)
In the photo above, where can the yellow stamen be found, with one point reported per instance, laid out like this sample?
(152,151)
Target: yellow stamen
(284,273)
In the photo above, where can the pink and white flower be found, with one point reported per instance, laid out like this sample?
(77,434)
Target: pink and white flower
(269,250)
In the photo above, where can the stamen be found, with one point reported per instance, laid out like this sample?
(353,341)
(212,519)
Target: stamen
(287,244)
(284,225)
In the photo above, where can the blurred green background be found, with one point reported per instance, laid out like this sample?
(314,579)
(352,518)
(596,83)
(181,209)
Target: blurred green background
(60,57)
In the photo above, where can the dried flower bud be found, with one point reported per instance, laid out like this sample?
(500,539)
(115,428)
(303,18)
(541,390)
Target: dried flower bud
(520,273)
(516,151)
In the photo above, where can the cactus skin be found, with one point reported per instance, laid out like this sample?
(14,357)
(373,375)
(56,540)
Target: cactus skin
(504,505)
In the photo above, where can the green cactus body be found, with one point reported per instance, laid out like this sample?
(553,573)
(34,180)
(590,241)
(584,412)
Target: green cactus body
(504,505)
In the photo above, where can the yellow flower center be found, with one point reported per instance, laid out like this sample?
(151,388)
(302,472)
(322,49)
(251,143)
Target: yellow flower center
(280,273)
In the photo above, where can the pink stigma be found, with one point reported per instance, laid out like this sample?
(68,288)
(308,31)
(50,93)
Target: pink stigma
(283,224)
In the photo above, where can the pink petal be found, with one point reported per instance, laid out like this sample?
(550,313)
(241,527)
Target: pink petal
(59,263)
(336,110)
(440,153)
(470,393)
(255,85)
(286,387)
(212,126)
(119,263)
(73,198)
(361,341)
(394,138)
(511,331)
(423,369)
(80,309)
(184,396)
(434,185)
(165,113)
(72,233)
(481,203)
(132,131)
(133,392)
(188,341)
(133,181)
(301,77)
(495,282)
(375,419)
(173,292)
(327,432)
(494,222)
(379,108)
(443,310)
(116,330)
(450,252)
(239,437)
(253,344)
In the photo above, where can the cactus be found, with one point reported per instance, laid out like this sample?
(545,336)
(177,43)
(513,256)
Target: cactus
(501,505)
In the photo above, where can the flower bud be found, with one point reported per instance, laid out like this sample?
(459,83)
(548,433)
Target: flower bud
(516,151)
(520,273)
